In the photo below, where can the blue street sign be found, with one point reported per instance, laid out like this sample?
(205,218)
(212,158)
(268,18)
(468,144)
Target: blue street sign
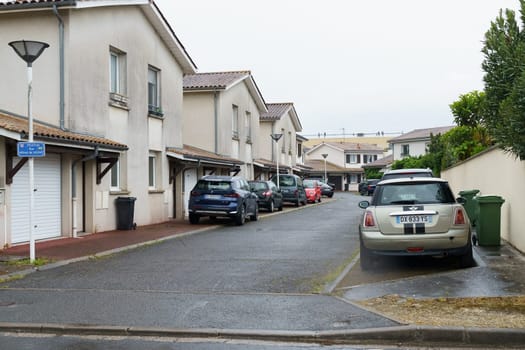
(31,149)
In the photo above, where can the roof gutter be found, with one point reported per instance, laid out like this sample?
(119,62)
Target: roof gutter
(34,5)
(61,55)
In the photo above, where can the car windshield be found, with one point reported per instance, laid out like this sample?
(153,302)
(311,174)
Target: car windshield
(205,185)
(258,186)
(413,193)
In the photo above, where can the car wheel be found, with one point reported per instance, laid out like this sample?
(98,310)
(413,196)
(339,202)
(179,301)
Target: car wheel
(319,200)
(241,216)
(297,203)
(194,219)
(330,195)
(280,208)
(365,257)
(271,207)
(255,216)
(467,259)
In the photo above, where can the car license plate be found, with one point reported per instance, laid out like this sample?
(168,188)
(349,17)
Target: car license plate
(212,196)
(414,219)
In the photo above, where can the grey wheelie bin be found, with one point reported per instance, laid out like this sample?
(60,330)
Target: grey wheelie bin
(125,213)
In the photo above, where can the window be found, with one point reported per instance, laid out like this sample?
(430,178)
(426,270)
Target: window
(353,158)
(117,72)
(299,150)
(289,142)
(152,163)
(248,124)
(115,177)
(405,150)
(235,122)
(154,91)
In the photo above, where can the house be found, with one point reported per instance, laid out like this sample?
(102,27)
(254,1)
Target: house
(346,159)
(280,119)
(414,143)
(220,126)
(107,103)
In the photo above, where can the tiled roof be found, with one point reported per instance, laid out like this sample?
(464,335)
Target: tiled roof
(265,163)
(194,153)
(44,132)
(353,146)
(216,80)
(382,162)
(276,111)
(318,165)
(421,134)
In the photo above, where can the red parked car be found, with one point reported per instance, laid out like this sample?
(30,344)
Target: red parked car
(313,190)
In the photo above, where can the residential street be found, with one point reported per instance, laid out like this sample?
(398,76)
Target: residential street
(280,279)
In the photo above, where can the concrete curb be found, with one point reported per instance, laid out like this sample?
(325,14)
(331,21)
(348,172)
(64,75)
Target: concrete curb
(400,335)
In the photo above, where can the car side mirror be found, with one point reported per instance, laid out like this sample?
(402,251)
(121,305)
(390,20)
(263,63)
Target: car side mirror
(364,204)
(461,200)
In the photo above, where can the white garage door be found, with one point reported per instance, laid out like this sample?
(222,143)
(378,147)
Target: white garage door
(46,216)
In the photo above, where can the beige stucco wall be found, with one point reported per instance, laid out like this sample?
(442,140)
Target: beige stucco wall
(198,120)
(13,87)
(416,148)
(335,156)
(496,173)
(266,145)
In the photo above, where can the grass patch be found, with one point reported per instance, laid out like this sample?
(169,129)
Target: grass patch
(10,278)
(27,262)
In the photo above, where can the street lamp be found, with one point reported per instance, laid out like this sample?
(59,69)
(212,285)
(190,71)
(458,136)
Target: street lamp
(276,138)
(29,51)
(324,156)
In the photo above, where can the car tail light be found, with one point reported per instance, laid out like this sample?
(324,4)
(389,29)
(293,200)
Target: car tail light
(459,218)
(415,249)
(369,219)
(194,193)
(232,195)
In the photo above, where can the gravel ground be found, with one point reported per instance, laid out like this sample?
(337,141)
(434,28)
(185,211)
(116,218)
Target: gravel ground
(483,312)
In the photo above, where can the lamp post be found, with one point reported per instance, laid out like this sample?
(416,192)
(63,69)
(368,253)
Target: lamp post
(324,156)
(276,138)
(29,51)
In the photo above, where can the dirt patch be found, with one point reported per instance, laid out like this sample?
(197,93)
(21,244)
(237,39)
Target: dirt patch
(497,312)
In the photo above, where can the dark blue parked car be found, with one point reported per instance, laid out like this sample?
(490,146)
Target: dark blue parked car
(223,196)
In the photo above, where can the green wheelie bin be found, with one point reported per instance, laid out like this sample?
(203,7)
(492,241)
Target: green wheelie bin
(471,205)
(489,220)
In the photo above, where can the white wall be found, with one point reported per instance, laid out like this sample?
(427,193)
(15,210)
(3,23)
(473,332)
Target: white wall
(494,172)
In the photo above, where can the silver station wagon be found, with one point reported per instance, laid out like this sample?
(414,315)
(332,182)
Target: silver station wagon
(414,216)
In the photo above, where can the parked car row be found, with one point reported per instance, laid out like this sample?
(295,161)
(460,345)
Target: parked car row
(233,197)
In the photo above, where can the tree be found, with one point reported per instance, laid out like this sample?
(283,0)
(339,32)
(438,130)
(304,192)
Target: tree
(469,109)
(504,65)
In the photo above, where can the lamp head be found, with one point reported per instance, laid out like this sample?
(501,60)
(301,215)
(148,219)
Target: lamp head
(276,137)
(28,50)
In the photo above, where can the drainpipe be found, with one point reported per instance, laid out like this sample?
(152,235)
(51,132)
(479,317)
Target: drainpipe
(216,119)
(61,59)
(74,187)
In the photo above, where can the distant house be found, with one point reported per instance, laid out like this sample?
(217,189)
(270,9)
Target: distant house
(281,119)
(220,126)
(414,143)
(346,160)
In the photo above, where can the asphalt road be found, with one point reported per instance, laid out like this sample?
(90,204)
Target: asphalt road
(265,275)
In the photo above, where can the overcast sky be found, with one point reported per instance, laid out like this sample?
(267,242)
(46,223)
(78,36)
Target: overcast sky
(361,65)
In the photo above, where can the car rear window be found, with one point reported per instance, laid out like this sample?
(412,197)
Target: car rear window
(309,183)
(406,174)
(259,186)
(205,185)
(413,193)
(286,180)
